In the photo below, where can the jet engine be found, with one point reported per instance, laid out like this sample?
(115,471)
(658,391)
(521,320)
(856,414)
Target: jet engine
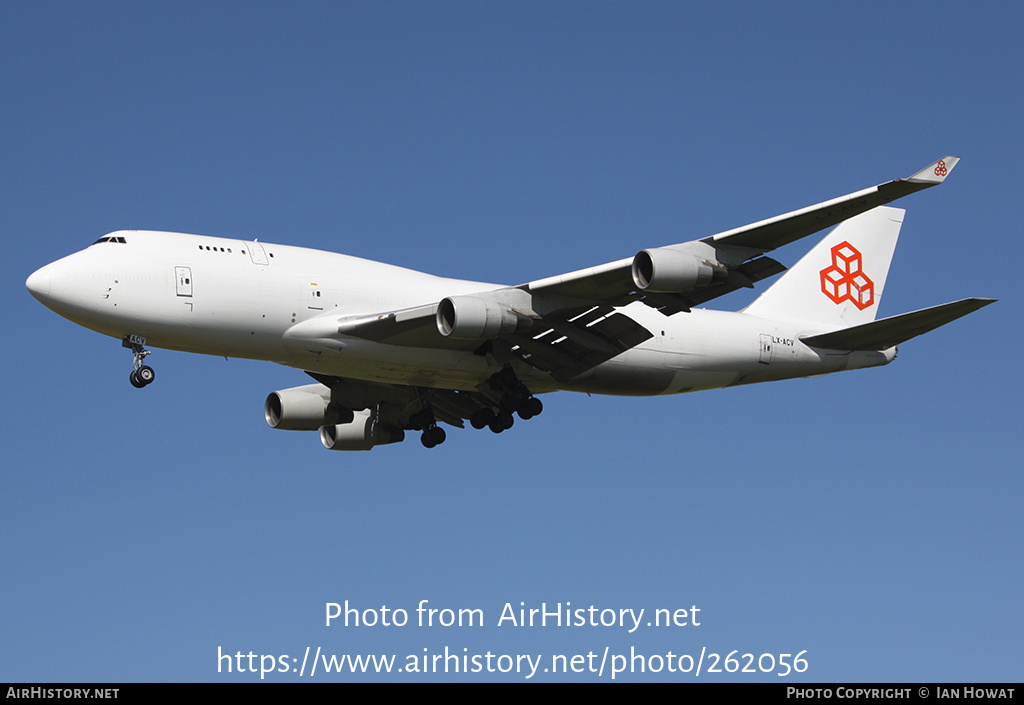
(665,270)
(472,318)
(362,433)
(303,409)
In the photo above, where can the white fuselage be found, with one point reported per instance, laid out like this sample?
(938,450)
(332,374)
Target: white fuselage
(253,300)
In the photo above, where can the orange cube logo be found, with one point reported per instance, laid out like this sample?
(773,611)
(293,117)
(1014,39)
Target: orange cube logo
(845,280)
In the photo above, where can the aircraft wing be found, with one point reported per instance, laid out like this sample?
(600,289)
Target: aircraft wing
(567,324)
(766,235)
(564,341)
(663,277)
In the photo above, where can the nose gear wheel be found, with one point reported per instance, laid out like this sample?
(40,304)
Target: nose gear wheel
(141,375)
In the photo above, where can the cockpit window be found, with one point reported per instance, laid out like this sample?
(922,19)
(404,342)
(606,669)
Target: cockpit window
(108,238)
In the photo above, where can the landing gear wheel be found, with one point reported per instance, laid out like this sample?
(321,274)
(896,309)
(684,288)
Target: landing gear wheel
(421,420)
(502,422)
(481,418)
(145,375)
(142,376)
(530,408)
(433,437)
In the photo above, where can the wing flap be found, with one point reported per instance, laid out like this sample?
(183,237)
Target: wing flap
(887,332)
(567,347)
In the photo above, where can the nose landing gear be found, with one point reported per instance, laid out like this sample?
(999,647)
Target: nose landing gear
(141,375)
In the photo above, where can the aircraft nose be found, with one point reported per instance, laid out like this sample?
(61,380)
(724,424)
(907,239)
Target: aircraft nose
(38,283)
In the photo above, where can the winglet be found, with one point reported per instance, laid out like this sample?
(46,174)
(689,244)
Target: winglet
(935,173)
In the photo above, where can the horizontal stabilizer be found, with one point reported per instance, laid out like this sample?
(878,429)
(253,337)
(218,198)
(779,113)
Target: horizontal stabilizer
(887,332)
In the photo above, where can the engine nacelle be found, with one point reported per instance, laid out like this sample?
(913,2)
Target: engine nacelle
(664,270)
(472,318)
(362,433)
(302,409)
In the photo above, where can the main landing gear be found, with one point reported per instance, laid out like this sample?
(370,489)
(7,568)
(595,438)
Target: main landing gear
(141,375)
(501,396)
(511,396)
(433,435)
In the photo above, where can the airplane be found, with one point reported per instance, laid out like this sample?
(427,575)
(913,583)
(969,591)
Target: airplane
(393,350)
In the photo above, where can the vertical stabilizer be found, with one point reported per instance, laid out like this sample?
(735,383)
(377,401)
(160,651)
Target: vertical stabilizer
(839,283)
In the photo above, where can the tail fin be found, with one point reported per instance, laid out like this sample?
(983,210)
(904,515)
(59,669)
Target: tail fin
(839,283)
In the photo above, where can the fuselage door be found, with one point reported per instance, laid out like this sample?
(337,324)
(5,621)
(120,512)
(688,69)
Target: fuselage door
(183,281)
(258,254)
(766,349)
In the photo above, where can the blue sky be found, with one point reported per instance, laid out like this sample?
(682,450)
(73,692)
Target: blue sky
(871,519)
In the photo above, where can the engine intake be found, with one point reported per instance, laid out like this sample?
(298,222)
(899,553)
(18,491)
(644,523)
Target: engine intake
(663,270)
(302,409)
(362,433)
(472,318)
